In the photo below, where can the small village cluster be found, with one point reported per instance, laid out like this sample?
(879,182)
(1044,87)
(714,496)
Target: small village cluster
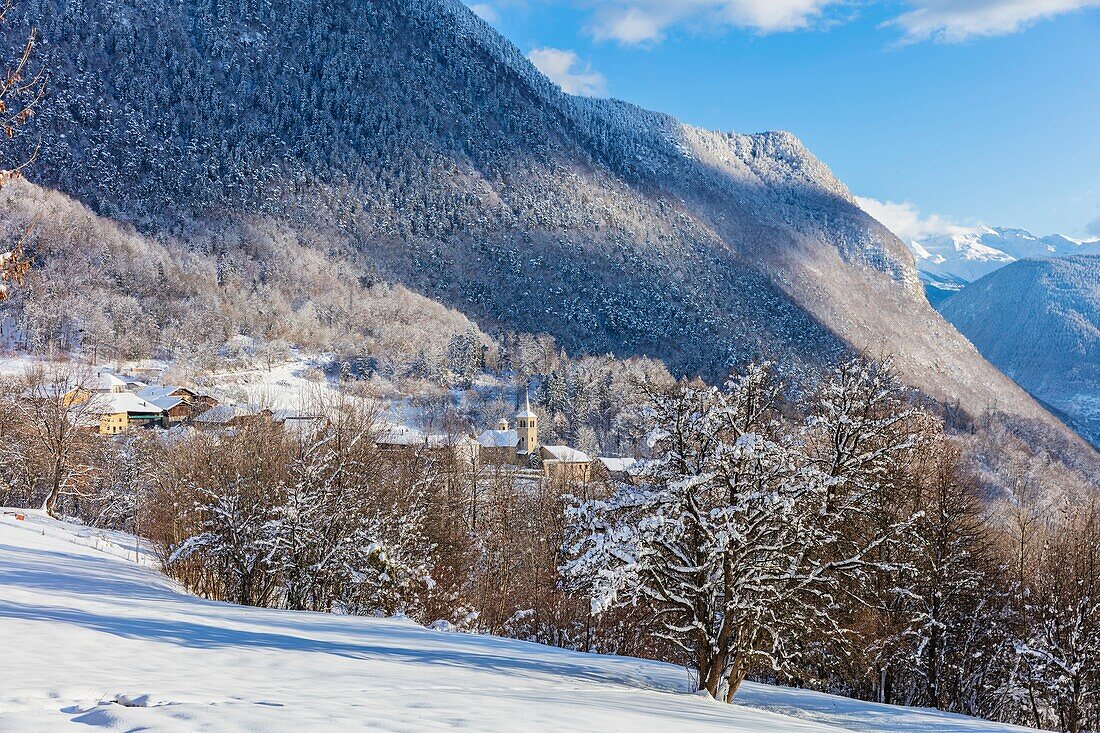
(514,445)
(114,404)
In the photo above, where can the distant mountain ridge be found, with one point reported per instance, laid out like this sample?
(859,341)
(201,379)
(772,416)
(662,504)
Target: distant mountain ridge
(412,135)
(947,262)
(1039,321)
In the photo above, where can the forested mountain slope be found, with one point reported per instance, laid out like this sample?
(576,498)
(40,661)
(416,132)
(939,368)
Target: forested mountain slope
(409,140)
(1039,321)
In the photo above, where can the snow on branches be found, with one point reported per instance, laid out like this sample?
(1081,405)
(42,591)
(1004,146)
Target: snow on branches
(13,268)
(325,531)
(743,527)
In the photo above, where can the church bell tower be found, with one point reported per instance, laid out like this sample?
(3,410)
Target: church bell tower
(526,428)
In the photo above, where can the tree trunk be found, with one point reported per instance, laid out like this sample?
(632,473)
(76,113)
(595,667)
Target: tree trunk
(736,677)
(50,505)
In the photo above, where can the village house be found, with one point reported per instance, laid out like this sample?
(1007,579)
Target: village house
(223,417)
(112,413)
(148,372)
(106,383)
(297,423)
(563,462)
(608,468)
(180,404)
(392,437)
(98,384)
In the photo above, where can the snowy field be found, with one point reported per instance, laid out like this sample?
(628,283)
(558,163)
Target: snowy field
(91,635)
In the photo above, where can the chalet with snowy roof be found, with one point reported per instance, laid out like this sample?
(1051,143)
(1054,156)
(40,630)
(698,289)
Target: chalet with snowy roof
(147,371)
(563,462)
(609,468)
(223,417)
(112,413)
(297,422)
(180,404)
(393,437)
(100,383)
(106,383)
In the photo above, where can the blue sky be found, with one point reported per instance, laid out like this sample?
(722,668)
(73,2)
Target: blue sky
(957,112)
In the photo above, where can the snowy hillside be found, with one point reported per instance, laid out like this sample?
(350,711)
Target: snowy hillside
(92,637)
(948,262)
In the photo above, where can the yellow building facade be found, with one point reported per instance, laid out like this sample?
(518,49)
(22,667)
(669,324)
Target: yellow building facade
(113,423)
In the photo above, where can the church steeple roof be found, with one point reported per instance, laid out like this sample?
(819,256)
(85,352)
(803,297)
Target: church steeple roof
(526,412)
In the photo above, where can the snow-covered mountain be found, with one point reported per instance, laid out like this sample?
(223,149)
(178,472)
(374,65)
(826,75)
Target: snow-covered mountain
(90,636)
(947,262)
(411,137)
(1039,321)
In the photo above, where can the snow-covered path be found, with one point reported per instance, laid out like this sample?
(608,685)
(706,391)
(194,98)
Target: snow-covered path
(89,636)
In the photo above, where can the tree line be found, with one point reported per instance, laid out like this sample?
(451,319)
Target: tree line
(835,538)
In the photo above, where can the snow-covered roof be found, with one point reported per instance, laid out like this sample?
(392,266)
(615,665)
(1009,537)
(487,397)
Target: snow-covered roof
(445,440)
(225,413)
(393,434)
(111,403)
(105,382)
(499,439)
(283,415)
(167,403)
(617,465)
(162,396)
(400,435)
(565,454)
(158,391)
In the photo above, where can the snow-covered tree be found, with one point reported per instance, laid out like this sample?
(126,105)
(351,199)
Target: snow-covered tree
(57,408)
(238,533)
(737,539)
(1057,678)
(344,539)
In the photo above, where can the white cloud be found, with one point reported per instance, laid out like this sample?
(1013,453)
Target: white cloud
(486,12)
(646,21)
(634,22)
(906,221)
(565,69)
(630,25)
(952,21)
